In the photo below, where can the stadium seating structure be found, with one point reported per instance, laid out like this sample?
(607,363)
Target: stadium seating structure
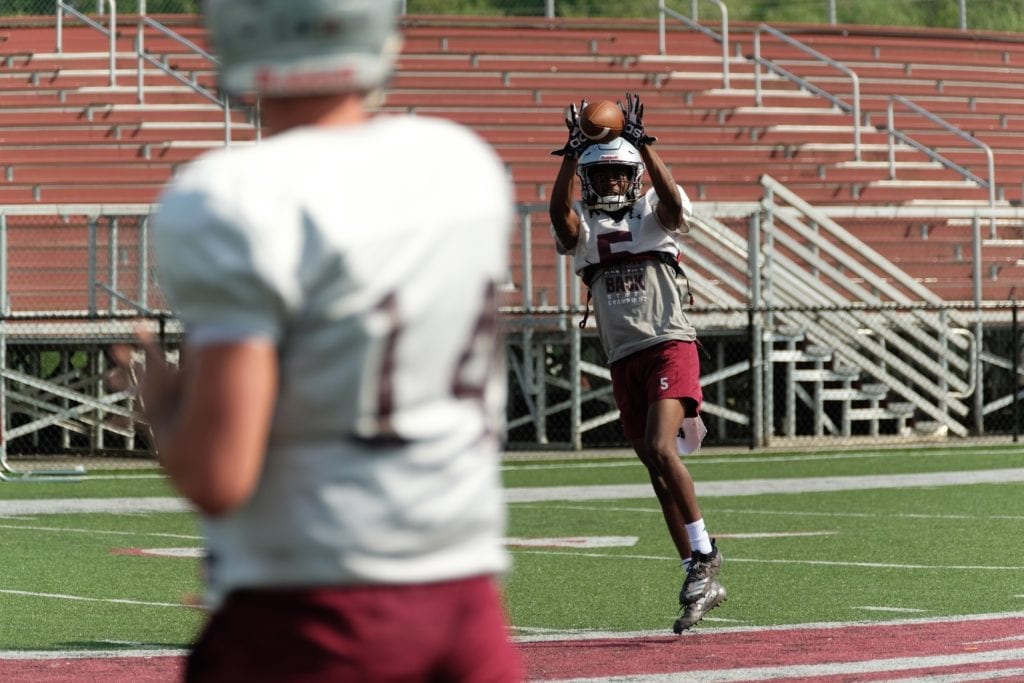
(67,136)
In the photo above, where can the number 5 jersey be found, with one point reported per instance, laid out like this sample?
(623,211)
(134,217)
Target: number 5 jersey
(631,266)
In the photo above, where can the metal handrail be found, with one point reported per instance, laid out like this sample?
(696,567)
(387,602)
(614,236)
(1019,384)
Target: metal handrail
(803,83)
(990,184)
(722,37)
(140,52)
(111,33)
(141,55)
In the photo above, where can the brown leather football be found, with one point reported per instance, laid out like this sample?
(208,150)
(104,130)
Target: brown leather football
(602,121)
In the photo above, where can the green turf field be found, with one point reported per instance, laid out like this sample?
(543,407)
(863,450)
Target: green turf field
(807,537)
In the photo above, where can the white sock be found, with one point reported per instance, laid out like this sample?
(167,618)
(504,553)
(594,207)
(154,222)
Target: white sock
(700,542)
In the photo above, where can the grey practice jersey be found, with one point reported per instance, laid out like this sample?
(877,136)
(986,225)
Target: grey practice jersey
(369,256)
(637,303)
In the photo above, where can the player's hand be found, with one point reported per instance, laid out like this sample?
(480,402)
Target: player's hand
(157,383)
(577,141)
(633,113)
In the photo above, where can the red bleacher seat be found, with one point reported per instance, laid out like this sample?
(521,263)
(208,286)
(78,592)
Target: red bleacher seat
(67,136)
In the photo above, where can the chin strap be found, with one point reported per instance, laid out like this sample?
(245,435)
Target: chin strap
(586,309)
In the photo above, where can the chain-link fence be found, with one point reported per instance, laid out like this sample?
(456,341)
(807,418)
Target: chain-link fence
(765,384)
(74,284)
(71,286)
(791,377)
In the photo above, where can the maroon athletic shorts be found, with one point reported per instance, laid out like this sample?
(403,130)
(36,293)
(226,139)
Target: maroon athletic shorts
(667,370)
(450,631)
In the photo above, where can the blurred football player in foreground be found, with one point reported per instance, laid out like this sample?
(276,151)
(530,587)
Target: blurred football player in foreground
(336,417)
(625,245)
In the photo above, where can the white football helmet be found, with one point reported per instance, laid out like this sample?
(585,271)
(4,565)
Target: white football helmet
(615,152)
(303,47)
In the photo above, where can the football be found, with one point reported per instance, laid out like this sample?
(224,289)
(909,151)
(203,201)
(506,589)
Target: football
(602,121)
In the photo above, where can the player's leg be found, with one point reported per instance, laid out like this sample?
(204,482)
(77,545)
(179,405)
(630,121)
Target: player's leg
(670,509)
(632,396)
(654,390)
(677,395)
(700,591)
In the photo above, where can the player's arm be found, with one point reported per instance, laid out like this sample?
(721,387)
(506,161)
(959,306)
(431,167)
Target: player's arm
(211,418)
(670,202)
(564,220)
(670,209)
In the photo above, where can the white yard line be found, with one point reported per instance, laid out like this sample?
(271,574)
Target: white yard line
(64,506)
(761,512)
(90,654)
(776,560)
(820,625)
(709,489)
(888,666)
(104,532)
(753,487)
(81,598)
(629,460)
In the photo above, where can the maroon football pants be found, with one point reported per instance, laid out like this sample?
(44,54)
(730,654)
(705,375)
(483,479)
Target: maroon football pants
(450,631)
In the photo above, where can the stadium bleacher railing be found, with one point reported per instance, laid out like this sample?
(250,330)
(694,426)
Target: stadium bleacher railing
(780,366)
(788,361)
(143,22)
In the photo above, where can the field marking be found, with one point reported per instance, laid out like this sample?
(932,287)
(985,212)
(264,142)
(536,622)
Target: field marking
(776,534)
(791,513)
(90,654)
(879,608)
(768,673)
(754,487)
(538,494)
(987,675)
(995,640)
(121,477)
(186,553)
(630,460)
(862,515)
(102,532)
(826,563)
(575,542)
(82,598)
(65,506)
(571,635)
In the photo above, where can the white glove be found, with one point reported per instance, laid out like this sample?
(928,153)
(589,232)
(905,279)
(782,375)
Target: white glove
(691,435)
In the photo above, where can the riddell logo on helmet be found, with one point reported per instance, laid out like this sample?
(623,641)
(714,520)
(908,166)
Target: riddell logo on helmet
(608,156)
(269,79)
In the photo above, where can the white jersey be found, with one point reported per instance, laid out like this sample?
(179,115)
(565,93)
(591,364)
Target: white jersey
(637,302)
(603,240)
(369,255)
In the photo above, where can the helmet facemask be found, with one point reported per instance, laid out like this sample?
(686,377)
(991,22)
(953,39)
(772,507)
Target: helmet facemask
(601,161)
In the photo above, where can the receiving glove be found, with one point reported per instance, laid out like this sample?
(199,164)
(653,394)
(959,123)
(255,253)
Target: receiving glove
(577,141)
(633,113)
